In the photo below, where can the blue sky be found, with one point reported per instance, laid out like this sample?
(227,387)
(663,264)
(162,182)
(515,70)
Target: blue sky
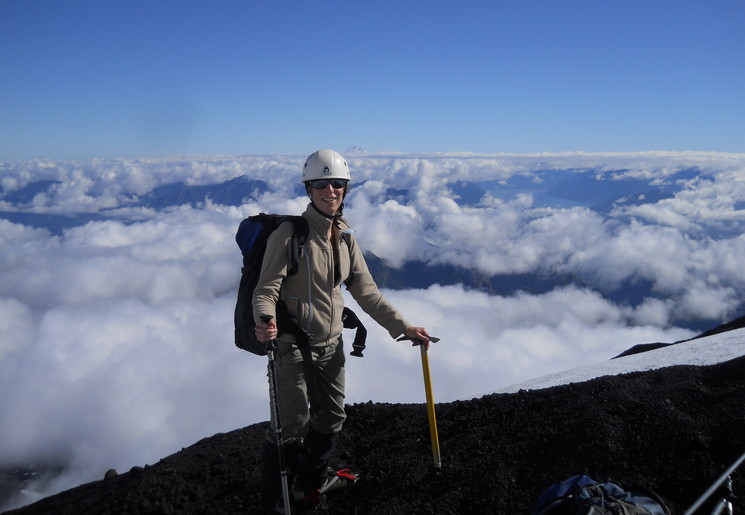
(147,78)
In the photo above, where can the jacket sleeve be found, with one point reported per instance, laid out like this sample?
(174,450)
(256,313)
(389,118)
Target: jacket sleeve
(368,296)
(273,272)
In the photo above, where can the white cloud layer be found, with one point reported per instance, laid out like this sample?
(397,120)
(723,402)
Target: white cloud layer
(116,336)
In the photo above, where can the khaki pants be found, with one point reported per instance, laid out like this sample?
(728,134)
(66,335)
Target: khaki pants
(323,406)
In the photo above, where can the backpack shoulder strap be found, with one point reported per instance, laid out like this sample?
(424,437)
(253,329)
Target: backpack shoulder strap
(300,236)
(347,238)
(301,228)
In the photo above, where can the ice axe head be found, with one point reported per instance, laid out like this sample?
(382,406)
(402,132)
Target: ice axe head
(416,342)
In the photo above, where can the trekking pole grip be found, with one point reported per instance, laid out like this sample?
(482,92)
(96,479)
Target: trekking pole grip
(271,345)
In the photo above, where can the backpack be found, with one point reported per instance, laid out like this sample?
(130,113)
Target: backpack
(582,495)
(251,237)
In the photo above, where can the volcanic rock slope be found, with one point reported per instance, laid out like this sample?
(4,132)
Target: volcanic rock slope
(674,430)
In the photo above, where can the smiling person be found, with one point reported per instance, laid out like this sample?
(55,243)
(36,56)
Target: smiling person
(310,364)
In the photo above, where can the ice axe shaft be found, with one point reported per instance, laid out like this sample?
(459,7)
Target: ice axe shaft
(430,408)
(430,398)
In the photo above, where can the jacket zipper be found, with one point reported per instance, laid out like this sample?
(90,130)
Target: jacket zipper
(332,281)
(310,292)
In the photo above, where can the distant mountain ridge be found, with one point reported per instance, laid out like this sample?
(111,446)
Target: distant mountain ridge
(584,186)
(596,189)
(230,193)
(737,323)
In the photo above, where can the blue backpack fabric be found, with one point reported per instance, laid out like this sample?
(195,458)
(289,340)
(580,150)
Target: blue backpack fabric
(583,495)
(251,238)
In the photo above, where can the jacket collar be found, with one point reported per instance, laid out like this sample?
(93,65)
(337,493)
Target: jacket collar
(322,222)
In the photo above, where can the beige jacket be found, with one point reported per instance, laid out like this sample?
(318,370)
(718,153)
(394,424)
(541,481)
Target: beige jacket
(313,295)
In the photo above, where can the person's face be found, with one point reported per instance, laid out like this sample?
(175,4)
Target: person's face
(327,199)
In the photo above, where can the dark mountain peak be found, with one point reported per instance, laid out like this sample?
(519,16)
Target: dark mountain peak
(27,193)
(356,149)
(233,192)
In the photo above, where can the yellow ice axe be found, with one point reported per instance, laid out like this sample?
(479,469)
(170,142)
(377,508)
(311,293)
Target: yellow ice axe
(430,401)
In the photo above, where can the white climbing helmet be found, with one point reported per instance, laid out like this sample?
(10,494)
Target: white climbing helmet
(325,164)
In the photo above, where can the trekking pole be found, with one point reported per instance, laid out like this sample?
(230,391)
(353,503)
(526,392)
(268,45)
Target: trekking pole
(271,352)
(430,407)
(724,505)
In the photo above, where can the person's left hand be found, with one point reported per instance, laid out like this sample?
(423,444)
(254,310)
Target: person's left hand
(418,335)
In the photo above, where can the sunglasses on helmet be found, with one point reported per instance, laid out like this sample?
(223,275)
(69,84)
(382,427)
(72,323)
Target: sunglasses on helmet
(320,184)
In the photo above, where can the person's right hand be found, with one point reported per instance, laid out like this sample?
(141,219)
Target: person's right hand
(266,331)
